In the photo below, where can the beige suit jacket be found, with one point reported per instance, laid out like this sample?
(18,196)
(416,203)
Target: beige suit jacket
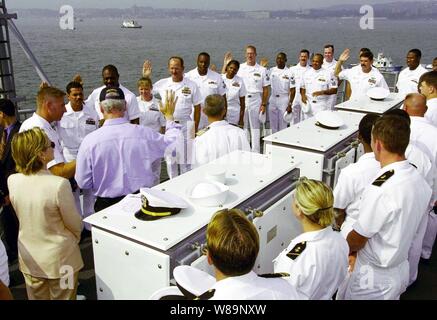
(50,225)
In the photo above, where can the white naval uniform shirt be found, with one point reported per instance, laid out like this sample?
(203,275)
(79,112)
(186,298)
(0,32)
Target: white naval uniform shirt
(423,135)
(431,113)
(150,115)
(252,287)
(361,82)
(320,267)
(132,111)
(330,66)
(74,126)
(211,83)
(296,73)
(408,80)
(390,214)
(350,186)
(4,269)
(235,90)
(422,159)
(280,81)
(219,139)
(51,131)
(187,93)
(255,78)
(318,80)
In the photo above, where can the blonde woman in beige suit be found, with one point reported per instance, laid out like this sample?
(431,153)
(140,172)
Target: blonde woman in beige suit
(50,225)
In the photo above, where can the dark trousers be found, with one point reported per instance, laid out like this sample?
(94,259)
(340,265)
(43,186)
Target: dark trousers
(102,203)
(9,222)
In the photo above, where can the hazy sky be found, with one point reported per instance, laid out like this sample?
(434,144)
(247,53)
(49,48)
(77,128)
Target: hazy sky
(192,4)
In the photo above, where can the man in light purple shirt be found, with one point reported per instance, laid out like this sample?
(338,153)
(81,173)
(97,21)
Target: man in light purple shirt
(116,159)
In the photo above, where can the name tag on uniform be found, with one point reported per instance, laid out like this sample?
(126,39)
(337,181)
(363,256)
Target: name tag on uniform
(90,121)
(257,75)
(321,79)
(286,78)
(372,80)
(236,84)
(154,108)
(212,82)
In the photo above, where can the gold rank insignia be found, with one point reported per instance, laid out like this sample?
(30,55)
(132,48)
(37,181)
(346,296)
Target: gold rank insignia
(186,90)
(383,178)
(200,132)
(235,84)
(275,275)
(297,250)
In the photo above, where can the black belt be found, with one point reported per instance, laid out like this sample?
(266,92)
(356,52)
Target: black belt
(249,96)
(103,202)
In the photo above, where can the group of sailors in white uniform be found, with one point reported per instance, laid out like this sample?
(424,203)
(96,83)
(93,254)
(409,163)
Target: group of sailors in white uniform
(288,95)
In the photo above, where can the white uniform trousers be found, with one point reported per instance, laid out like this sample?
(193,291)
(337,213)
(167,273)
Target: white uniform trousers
(430,235)
(85,205)
(179,158)
(416,249)
(252,126)
(368,282)
(278,105)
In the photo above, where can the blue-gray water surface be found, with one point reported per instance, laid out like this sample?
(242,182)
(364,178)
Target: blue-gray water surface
(97,42)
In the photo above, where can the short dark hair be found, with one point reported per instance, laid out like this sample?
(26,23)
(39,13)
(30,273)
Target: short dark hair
(233,62)
(112,68)
(7,107)
(367,54)
(176,58)
(365,50)
(282,54)
(399,113)
(365,127)
(206,54)
(417,52)
(430,78)
(305,51)
(329,46)
(393,132)
(318,55)
(73,84)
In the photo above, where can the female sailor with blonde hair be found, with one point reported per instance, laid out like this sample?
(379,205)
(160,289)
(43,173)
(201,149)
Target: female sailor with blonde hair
(317,259)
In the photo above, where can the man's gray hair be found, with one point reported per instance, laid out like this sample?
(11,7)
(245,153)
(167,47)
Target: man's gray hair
(214,105)
(113,104)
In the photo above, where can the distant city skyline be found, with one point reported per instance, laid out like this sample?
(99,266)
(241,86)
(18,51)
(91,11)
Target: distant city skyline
(245,5)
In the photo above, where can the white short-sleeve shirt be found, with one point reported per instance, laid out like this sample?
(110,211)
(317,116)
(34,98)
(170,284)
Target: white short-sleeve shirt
(361,82)
(73,128)
(132,110)
(296,73)
(187,93)
(255,77)
(317,262)
(408,80)
(431,113)
(280,81)
(150,115)
(390,213)
(52,132)
(350,186)
(211,83)
(235,90)
(318,80)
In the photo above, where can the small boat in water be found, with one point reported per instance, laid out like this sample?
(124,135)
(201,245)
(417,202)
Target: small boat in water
(130,24)
(385,63)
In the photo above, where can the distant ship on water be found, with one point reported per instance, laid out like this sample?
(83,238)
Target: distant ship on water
(131,24)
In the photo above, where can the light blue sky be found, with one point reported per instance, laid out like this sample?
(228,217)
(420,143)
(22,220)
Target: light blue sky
(197,4)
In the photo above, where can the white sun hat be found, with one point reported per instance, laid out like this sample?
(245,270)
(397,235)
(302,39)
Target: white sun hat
(288,117)
(208,193)
(378,93)
(262,117)
(306,107)
(329,119)
(193,280)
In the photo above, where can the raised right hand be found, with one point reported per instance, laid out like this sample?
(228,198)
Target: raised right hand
(344,55)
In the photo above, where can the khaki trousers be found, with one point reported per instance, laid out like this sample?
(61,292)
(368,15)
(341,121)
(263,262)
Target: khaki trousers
(49,289)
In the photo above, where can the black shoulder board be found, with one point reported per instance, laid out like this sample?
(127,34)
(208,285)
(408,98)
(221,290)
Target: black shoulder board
(206,295)
(413,165)
(383,178)
(274,275)
(297,250)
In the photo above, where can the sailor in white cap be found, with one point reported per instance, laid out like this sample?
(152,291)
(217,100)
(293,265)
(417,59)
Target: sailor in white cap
(317,260)
(232,249)
(219,137)
(316,86)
